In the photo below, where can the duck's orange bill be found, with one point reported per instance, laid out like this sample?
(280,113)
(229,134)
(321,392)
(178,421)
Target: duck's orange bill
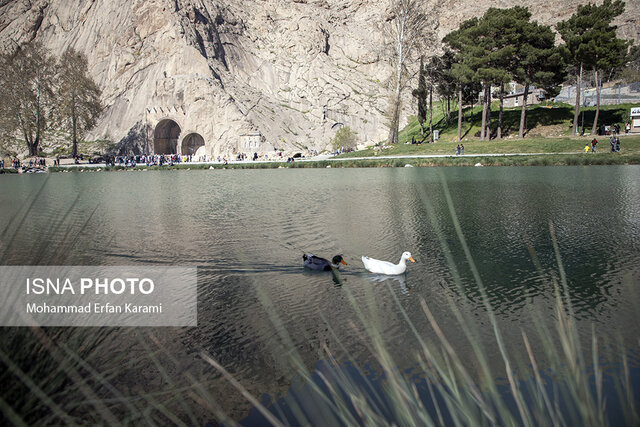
(342,262)
(411,259)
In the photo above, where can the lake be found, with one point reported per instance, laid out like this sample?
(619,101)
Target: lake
(506,233)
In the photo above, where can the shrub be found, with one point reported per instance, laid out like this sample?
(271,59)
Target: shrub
(345,137)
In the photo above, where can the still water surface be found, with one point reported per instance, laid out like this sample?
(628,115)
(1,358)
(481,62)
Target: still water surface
(247,230)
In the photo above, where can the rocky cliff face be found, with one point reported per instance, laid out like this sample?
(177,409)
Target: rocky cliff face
(246,75)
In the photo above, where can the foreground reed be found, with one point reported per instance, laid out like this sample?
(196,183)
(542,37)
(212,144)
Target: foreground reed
(64,375)
(568,391)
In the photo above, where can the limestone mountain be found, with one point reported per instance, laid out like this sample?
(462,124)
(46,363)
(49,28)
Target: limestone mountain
(226,76)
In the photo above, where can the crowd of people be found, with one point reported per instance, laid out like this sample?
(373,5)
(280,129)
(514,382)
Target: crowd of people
(613,129)
(335,152)
(241,157)
(171,159)
(614,142)
(36,162)
(149,160)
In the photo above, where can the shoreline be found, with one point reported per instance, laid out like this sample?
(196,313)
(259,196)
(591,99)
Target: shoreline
(517,159)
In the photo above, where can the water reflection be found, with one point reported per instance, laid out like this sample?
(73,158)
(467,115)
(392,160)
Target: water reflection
(399,280)
(258,222)
(246,232)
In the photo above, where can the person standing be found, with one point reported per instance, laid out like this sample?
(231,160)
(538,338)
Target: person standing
(594,144)
(462,149)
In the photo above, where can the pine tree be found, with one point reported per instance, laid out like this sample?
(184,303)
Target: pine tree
(485,69)
(502,28)
(434,73)
(484,49)
(460,41)
(446,84)
(592,44)
(537,62)
(421,95)
(467,90)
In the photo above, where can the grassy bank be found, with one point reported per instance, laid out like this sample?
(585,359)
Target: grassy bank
(558,145)
(543,160)
(570,159)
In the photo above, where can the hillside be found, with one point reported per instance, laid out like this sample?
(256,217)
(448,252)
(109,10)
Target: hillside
(239,75)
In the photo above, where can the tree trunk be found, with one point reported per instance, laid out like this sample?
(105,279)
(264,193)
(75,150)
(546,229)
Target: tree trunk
(395,118)
(500,113)
(32,149)
(395,121)
(578,98)
(33,146)
(595,120)
(431,113)
(471,115)
(488,132)
(74,131)
(459,113)
(523,114)
(29,140)
(484,114)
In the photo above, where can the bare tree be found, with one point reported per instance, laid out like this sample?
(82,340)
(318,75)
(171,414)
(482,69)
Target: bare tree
(27,79)
(80,105)
(409,31)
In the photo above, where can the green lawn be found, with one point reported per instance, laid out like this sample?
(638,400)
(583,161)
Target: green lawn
(553,119)
(629,145)
(549,132)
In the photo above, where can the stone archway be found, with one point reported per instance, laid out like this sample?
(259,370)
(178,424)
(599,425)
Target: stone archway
(165,137)
(191,143)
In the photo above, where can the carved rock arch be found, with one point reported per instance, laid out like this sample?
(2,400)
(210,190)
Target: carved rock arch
(165,136)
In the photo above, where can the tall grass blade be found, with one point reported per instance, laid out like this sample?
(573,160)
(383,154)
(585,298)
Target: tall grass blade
(264,411)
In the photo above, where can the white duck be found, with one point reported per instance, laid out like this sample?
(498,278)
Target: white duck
(386,267)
